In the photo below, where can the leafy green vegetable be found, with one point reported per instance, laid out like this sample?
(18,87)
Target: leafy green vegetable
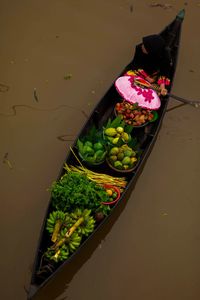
(117,122)
(80,145)
(89,146)
(74,190)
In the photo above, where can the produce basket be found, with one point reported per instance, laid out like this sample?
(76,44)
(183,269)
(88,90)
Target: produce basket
(122,171)
(116,190)
(116,132)
(134,115)
(123,159)
(84,160)
(92,148)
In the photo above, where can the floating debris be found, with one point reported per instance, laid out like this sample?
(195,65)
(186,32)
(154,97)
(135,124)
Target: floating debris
(85,114)
(4,88)
(93,92)
(164,214)
(66,138)
(191,71)
(16,106)
(68,76)
(35,95)
(131,8)
(6,161)
(165,6)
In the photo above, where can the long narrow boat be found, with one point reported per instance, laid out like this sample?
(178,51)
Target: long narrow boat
(44,272)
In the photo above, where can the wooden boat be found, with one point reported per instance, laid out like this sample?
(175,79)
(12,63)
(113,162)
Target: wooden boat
(146,136)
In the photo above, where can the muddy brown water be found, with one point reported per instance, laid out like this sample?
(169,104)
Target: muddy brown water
(151,250)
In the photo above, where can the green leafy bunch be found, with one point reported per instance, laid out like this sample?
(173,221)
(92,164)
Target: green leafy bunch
(75,190)
(91,146)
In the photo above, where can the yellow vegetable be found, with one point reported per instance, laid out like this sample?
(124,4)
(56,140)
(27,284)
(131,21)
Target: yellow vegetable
(110,131)
(109,192)
(125,136)
(133,159)
(115,140)
(120,129)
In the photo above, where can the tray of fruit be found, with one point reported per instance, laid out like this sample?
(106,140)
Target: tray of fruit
(134,115)
(122,159)
(113,193)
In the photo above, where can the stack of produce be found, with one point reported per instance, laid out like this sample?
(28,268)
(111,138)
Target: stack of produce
(93,153)
(75,190)
(77,204)
(122,158)
(98,178)
(116,132)
(91,147)
(66,231)
(113,193)
(121,154)
(134,115)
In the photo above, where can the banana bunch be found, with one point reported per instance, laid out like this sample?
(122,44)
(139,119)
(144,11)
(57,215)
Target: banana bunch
(54,217)
(62,253)
(73,242)
(66,249)
(68,233)
(88,224)
(59,255)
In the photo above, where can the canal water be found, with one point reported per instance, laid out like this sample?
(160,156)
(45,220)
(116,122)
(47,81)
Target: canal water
(58,58)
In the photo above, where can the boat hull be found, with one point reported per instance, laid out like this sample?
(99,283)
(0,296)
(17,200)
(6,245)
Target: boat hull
(147,137)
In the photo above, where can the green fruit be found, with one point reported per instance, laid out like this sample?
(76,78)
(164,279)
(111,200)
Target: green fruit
(133,160)
(120,156)
(114,195)
(88,143)
(125,136)
(126,167)
(110,131)
(126,160)
(91,159)
(133,153)
(118,164)
(88,150)
(128,153)
(120,129)
(98,146)
(114,151)
(115,140)
(124,147)
(113,158)
(99,153)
